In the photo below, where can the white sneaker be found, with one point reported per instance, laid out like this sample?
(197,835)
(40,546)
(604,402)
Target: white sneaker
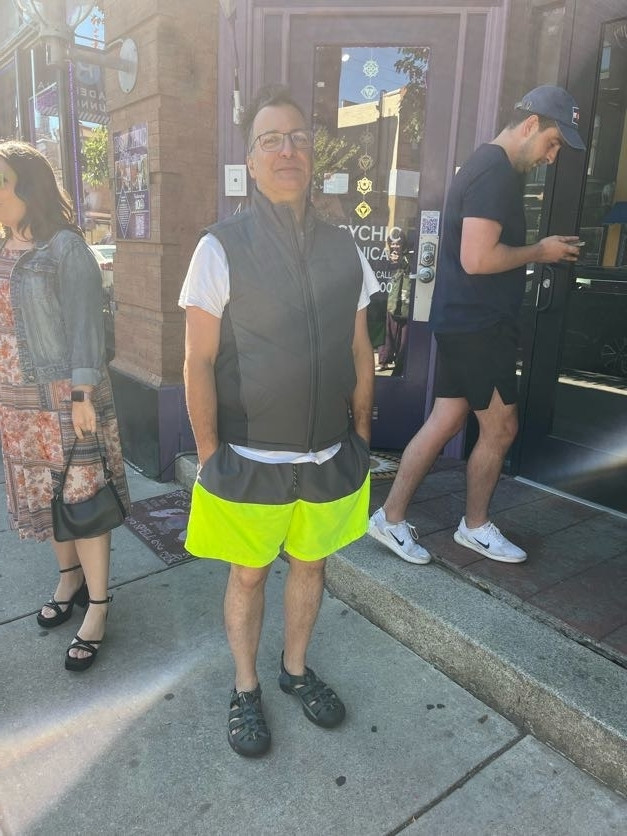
(488,541)
(401,538)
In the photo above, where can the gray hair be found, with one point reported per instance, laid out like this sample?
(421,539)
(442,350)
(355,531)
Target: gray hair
(272,95)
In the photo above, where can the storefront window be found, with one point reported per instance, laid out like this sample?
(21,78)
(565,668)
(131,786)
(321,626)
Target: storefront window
(596,327)
(8,102)
(369,121)
(44,110)
(548,26)
(85,126)
(590,408)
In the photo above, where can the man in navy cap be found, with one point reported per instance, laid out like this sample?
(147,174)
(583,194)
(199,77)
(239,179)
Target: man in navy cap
(474,313)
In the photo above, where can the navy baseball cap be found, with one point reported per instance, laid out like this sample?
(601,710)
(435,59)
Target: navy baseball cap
(555,103)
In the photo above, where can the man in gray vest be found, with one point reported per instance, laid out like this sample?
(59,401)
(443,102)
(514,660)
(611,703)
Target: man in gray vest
(279,378)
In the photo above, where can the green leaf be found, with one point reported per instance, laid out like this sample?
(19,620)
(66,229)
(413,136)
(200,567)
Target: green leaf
(96,155)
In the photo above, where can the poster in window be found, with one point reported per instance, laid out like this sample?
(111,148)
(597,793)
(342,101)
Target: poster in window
(132,191)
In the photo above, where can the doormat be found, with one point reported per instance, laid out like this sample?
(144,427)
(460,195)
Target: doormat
(161,523)
(383,465)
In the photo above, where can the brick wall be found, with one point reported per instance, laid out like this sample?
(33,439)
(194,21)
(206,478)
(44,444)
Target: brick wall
(175,96)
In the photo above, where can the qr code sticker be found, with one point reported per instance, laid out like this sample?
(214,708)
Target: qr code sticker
(429,223)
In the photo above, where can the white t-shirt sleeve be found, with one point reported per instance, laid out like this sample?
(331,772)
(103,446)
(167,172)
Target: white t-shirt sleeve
(370,284)
(207,284)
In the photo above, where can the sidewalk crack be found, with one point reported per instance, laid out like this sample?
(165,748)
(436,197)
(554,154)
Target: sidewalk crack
(458,784)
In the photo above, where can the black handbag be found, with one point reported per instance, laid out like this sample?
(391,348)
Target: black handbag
(91,517)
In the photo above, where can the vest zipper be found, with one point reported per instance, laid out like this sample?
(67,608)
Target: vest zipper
(314,334)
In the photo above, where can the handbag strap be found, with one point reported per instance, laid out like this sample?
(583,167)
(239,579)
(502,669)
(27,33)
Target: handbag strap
(58,491)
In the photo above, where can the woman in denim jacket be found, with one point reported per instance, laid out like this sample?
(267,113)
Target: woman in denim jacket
(54,386)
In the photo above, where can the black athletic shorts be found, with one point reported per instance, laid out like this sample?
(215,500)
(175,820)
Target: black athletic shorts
(472,365)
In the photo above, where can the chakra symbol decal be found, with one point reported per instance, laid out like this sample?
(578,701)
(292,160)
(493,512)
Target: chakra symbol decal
(363,210)
(365,162)
(367,138)
(364,186)
(369,91)
(371,68)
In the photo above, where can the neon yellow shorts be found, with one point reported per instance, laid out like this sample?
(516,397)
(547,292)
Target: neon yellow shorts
(245,512)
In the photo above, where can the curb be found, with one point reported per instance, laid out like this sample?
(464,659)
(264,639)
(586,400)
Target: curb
(563,694)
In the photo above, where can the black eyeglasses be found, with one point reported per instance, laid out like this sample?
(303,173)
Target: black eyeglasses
(273,140)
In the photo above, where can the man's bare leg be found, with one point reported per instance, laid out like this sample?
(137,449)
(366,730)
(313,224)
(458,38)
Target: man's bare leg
(446,420)
(302,597)
(243,619)
(498,425)
(303,594)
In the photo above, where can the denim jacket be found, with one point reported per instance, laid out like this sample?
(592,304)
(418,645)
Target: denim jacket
(56,297)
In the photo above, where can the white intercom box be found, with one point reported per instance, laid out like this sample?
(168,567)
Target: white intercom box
(235,180)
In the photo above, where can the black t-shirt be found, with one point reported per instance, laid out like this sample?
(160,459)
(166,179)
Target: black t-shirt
(486,186)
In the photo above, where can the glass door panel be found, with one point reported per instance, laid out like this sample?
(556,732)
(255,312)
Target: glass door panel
(385,98)
(369,121)
(582,447)
(548,30)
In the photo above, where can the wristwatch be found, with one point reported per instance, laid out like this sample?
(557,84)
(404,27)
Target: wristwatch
(80,395)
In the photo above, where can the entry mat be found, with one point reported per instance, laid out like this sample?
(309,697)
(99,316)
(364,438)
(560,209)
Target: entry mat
(383,465)
(161,521)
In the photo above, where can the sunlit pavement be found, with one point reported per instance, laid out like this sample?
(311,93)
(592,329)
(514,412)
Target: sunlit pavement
(137,744)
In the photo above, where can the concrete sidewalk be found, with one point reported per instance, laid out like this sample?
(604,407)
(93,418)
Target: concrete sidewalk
(138,743)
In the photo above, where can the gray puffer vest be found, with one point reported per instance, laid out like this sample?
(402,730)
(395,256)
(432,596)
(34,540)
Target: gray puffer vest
(285,371)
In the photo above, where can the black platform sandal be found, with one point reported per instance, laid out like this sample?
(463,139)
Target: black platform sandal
(320,703)
(91,646)
(248,731)
(80,597)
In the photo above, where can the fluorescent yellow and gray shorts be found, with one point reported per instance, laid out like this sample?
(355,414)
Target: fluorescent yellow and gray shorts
(246,512)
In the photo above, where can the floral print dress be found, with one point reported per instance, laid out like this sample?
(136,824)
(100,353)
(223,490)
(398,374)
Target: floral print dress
(37,434)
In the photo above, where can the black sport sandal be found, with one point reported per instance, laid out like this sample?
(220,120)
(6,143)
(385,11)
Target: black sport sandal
(320,703)
(80,597)
(248,732)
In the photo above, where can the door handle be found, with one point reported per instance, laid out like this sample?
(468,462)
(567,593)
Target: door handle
(544,296)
